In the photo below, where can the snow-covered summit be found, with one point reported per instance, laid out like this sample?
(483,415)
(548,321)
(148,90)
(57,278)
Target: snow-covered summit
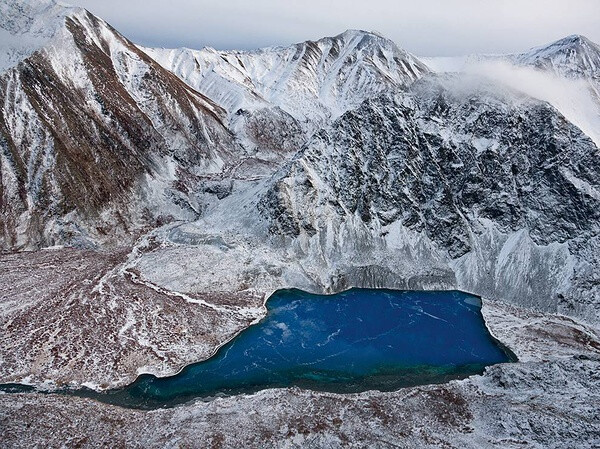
(574,56)
(28,25)
(565,73)
(359,39)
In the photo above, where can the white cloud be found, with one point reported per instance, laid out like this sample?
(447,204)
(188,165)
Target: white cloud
(571,97)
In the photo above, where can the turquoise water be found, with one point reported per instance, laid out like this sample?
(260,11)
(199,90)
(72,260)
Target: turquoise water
(354,341)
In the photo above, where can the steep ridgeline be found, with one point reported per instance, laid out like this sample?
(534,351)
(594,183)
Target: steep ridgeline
(496,188)
(97,140)
(314,82)
(572,57)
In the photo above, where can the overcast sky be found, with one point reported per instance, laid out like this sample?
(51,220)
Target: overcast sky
(423,27)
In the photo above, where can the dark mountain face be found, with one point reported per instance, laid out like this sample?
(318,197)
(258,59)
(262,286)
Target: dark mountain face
(437,161)
(463,163)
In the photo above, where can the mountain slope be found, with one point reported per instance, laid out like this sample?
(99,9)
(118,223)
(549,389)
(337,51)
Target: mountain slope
(314,81)
(573,57)
(97,140)
(455,184)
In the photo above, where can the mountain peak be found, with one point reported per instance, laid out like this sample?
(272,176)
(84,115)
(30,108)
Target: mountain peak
(571,42)
(28,25)
(30,9)
(361,36)
(574,56)
(351,33)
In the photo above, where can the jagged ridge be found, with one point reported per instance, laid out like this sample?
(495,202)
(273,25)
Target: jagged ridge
(314,81)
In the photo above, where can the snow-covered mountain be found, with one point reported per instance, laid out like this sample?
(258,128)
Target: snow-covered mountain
(314,81)
(28,25)
(565,73)
(97,139)
(344,139)
(277,97)
(573,56)
(223,176)
(70,81)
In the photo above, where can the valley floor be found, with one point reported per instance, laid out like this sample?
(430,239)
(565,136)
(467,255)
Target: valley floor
(550,398)
(543,404)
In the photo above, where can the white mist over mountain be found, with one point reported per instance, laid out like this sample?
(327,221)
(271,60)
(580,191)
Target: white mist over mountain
(565,73)
(572,97)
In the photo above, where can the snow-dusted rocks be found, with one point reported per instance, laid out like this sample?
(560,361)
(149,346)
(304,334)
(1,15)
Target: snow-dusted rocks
(28,25)
(573,56)
(97,140)
(497,183)
(276,98)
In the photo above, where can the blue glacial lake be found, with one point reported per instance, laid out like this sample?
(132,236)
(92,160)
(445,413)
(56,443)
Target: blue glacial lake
(349,342)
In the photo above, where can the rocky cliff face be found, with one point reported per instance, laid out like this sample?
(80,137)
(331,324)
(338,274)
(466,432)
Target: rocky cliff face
(447,152)
(501,184)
